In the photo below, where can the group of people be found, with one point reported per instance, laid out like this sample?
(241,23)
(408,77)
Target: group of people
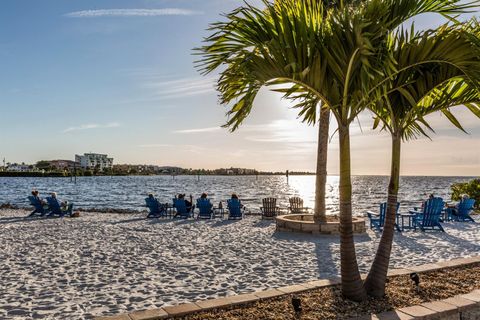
(185,207)
(190,206)
(189,201)
(53,201)
(452,209)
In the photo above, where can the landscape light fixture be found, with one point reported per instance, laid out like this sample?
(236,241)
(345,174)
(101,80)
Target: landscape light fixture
(297,304)
(416,279)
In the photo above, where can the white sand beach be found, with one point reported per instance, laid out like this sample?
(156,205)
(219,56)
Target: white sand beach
(103,264)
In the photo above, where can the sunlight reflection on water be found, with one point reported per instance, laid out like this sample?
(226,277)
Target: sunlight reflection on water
(129,192)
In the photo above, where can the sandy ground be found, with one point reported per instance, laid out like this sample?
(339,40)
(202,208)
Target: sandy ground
(103,264)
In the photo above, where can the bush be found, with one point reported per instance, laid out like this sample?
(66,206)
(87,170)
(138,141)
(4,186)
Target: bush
(471,188)
(20,174)
(54,174)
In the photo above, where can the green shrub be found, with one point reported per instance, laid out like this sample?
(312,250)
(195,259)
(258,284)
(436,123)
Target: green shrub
(54,174)
(21,174)
(471,188)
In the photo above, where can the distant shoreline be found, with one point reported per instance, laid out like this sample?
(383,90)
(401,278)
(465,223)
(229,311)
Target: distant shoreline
(64,175)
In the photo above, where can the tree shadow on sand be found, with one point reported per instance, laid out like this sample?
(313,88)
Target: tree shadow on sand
(222,223)
(263,223)
(9,220)
(128,220)
(328,261)
(417,247)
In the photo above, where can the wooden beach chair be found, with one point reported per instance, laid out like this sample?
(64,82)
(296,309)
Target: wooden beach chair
(429,218)
(462,211)
(156,209)
(269,209)
(377,221)
(204,208)
(39,207)
(296,206)
(55,208)
(234,209)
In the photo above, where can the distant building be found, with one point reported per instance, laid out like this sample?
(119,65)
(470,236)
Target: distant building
(122,168)
(248,171)
(15,167)
(170,170)
(94,160)
(64,164)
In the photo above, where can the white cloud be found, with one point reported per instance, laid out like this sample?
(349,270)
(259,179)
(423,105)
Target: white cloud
(159,86)
(281,131)
(132,13)
(181,87)
(92,126)
(154,145)
(200,130)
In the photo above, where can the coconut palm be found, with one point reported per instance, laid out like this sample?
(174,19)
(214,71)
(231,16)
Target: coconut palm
(320,214)
(335,55)
(416,92)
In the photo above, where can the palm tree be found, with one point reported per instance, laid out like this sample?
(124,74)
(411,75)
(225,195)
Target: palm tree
(336,55)
(450,79)
(320,214)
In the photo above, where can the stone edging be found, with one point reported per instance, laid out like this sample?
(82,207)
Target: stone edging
(468,304)
(304,223)
(465,307)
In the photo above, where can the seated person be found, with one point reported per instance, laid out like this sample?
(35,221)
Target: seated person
(63,205)
(235,208)
(234,196)
(36,195)
(152,198)
(204,205)
(188,204)
(156,207)
(41,205)
(431,196)
(454,210)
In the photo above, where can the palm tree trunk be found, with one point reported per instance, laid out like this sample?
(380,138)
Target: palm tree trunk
(321,175)
(352,286)
(375,283)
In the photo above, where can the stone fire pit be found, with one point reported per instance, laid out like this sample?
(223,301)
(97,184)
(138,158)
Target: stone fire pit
(304,223)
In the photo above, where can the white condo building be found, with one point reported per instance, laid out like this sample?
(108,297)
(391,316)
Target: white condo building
(15,167)
(94,160)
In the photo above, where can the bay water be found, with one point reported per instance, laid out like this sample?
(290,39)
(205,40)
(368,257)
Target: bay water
(128,192)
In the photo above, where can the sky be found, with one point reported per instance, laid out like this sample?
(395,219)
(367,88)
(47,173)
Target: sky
(118,77)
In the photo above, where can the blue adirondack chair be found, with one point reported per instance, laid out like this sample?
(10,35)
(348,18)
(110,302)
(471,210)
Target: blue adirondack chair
(182,210)
(39,207)
(234,209)
(205,208)
(377,221)
(429,218)
(155,207)
(462,211)
(57,210)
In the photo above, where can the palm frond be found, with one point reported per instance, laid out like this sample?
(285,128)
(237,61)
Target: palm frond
(341,53)
(437,70)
